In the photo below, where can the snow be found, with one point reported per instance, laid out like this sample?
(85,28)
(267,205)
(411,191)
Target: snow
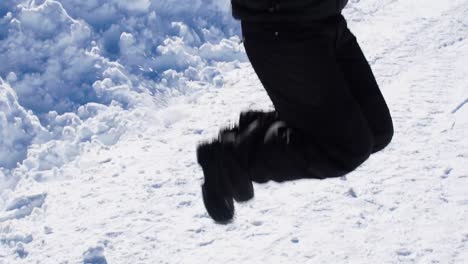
(23,206)
(102,104)
(60,59)
(18,128)
(94,256)
(55,51)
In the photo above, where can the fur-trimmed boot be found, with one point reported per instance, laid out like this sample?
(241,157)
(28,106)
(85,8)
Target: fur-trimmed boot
(272,150)
(247,117)
(216,188)
(226,164)
(234,164)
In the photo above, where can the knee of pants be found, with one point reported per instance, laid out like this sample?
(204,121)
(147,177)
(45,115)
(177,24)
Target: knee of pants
(350,157)
(382,140)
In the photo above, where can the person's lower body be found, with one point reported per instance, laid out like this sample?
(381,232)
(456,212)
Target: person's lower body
(323,89)
(329,113)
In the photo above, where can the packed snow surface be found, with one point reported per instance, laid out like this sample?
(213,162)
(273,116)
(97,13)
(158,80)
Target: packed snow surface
(102,104)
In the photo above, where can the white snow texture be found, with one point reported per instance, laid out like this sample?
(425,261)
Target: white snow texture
(102,104)
(65,62)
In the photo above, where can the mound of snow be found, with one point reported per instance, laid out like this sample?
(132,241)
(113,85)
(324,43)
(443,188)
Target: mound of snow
(59,50)
(76,72)
(18,128)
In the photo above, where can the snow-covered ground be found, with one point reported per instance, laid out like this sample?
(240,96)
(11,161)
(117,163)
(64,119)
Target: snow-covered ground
(102,104)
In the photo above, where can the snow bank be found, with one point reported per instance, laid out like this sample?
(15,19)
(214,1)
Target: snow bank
(18,128)
(71,68)
(54,52)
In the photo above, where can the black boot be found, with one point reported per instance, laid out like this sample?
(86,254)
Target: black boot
(253,127)
(226,164)
(275,151)
(225,174)
(234,165)
(216,188)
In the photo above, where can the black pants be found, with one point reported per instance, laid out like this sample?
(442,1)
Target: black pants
(323,88)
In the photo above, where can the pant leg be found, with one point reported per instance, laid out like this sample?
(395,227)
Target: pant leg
(364,88)
(297,66)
